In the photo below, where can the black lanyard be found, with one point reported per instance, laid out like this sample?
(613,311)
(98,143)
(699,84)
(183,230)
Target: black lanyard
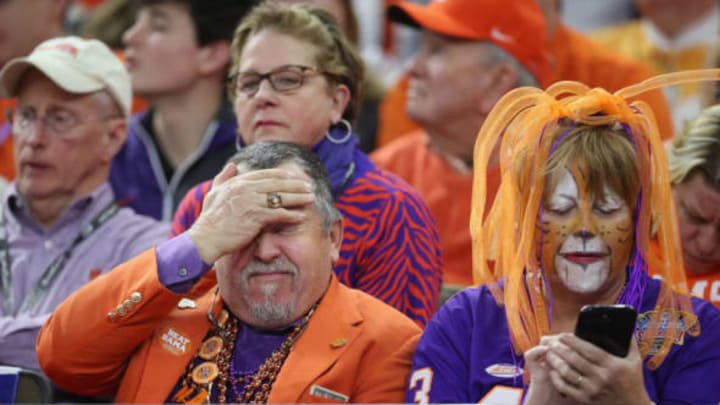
(52,271)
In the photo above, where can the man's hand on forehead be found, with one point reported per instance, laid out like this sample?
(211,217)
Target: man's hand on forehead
(283,187)
(240,204)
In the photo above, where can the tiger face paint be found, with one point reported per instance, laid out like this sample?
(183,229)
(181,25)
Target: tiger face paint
(587,240)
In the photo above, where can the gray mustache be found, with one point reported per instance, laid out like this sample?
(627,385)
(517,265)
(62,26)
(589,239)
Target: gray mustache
(276,265)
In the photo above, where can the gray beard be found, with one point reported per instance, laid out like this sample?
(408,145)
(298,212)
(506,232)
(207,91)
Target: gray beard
(266,310)
(270,312)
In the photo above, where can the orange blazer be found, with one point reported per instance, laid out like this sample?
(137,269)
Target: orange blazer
(354,344)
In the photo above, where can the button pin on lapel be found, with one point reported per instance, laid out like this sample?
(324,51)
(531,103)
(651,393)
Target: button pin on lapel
(338,342)
(186,303)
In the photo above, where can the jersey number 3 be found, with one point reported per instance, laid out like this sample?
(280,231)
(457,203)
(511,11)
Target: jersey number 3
(421,380)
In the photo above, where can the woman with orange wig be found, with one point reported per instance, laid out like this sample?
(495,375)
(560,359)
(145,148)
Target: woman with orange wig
(584,189)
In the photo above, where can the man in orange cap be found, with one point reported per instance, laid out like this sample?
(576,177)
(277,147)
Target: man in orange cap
(573,56)
(473,52)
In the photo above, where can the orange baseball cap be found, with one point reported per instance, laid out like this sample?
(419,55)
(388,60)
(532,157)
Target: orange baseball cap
(517,26)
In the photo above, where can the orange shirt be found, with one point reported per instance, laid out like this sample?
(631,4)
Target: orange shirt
(446,191)
(705,286)
(573,57)
(7,156)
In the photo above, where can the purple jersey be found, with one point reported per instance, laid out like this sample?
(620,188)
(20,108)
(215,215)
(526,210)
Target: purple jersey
(465,355)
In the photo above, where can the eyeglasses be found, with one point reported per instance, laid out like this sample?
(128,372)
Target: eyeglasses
(59,121)
(282,79)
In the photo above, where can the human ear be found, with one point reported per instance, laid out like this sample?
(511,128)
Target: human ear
(504,79)
(336,237)
(114,138)
(214,57)
(340,99)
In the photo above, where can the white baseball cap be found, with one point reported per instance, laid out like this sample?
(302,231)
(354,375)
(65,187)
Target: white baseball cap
(76,65)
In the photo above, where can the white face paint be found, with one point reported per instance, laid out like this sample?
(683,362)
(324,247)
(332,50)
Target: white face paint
(581,233)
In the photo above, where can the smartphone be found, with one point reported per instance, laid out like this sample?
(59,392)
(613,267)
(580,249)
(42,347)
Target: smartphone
(608,326)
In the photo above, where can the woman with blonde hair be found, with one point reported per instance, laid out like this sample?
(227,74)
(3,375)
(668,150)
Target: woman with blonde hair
(584,189)
(296,78)
(695,176)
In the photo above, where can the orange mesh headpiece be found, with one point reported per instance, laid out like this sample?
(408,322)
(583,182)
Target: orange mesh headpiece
(524,123)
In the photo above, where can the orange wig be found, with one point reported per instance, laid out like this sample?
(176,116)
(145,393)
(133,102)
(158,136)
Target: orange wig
(519,135)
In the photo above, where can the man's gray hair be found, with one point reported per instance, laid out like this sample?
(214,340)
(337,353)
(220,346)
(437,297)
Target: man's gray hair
(497,55)
(269,155)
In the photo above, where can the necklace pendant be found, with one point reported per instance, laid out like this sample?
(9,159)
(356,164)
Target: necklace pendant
(223,318)
(205,373)
(210,348)
(201,397)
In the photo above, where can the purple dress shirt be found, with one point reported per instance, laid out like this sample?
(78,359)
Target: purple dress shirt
(179,264)
(33,247)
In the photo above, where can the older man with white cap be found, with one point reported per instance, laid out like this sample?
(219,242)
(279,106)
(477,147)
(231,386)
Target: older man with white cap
(59,224)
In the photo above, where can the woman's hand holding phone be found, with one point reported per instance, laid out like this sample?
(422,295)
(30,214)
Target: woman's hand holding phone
(567,369)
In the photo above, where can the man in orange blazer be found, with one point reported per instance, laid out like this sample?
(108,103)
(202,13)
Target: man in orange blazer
(270,323)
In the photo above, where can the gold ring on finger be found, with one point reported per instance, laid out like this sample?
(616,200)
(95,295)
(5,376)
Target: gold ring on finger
(274,200)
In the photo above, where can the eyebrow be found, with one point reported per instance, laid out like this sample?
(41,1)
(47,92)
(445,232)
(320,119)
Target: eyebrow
(251,72)
(610,197)
(49,108)
(157,12)
(610,202)
(555,197)
(275,69)
(60,108)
